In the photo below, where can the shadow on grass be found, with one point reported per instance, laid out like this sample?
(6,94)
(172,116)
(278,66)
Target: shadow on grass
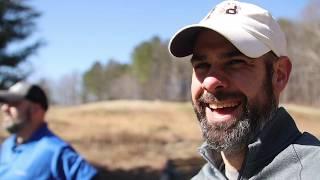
(174,169)
(141,173)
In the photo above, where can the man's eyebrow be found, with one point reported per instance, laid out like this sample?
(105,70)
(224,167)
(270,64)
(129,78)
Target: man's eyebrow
(230,54)
(197,57)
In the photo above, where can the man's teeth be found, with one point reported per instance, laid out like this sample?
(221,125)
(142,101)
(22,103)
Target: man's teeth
(223,105)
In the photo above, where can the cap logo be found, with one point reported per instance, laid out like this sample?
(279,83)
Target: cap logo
(233,10)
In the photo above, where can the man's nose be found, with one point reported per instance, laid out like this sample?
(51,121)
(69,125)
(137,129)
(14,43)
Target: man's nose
(214,82)
(4,107)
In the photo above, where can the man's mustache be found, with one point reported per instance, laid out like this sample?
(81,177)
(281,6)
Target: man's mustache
(219,96)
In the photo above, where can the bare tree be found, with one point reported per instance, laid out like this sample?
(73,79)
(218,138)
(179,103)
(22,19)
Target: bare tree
(68,90)
(304,46)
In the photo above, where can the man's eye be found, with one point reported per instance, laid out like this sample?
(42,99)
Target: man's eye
(201,66)
(236,62)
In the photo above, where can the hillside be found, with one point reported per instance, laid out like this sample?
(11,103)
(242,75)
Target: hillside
(127,134)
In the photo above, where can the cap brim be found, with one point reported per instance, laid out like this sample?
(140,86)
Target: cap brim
(10,97)
(182,43)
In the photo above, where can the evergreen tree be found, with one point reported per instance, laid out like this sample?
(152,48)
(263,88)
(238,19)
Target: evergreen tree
(16,25)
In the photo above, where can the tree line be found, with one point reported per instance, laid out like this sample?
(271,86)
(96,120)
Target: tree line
(152,74)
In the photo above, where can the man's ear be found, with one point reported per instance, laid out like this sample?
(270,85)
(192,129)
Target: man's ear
(282,69)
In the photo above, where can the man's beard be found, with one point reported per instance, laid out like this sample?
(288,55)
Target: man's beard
(15,125)
(234,135)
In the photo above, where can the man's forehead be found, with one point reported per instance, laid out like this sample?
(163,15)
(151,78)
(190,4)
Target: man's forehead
(16,103)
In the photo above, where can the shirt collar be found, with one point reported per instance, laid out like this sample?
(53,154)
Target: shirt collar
(38,134)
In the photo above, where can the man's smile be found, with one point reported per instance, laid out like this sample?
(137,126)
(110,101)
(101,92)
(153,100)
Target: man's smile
(222,111)
(222,105)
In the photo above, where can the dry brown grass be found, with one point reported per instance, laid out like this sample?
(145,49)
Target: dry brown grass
(123,134)
(127,134)
(306,118)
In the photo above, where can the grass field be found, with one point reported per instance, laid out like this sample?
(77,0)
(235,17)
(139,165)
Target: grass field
(131,134)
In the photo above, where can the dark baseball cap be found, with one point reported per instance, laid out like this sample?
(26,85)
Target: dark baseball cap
(25,91)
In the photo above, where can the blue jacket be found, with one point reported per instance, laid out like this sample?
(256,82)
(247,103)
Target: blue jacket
(280,151)
(44,156)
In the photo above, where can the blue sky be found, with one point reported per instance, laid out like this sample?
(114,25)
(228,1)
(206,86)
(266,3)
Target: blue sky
(77,33)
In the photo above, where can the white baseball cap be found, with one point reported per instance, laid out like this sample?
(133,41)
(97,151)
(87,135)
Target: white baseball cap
(250,28)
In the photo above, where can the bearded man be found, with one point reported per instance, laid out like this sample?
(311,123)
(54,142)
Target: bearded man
(33,151)
(240,67)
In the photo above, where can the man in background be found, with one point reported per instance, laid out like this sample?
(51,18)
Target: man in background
(240,67)
(33,151)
